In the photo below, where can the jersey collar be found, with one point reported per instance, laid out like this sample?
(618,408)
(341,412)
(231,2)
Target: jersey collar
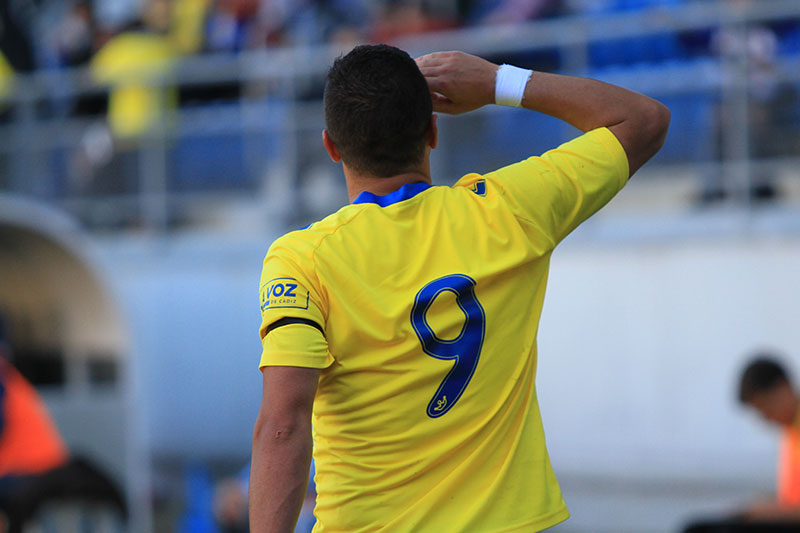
(409,190)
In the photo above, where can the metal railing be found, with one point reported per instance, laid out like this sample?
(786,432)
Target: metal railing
(263,147)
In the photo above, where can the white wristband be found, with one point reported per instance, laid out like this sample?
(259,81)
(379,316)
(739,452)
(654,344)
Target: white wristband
(509,86)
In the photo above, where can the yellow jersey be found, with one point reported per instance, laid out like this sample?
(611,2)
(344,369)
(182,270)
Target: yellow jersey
(429,298)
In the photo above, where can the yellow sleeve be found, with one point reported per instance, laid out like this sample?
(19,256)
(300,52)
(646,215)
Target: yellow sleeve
(289,288)
(563,187)
(295,345)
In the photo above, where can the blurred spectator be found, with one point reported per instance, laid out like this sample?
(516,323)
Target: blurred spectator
(35,466)
(74,36)
(188,21)
(231,25)
(30,447)
(29,440)
(765,386)
(405,17)
(30,444)
(134,63)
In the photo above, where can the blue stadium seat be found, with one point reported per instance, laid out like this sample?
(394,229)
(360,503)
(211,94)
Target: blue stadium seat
(208,162)
(199,495)
(646,49)
(691,131)
(789,42)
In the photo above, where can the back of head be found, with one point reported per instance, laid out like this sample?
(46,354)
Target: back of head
(761,375)
(378,110)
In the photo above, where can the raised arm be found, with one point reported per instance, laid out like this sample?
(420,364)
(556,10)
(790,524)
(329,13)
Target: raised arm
(281,448)
(461,82)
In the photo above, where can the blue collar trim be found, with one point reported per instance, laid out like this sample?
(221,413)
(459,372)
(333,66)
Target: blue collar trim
(409,190)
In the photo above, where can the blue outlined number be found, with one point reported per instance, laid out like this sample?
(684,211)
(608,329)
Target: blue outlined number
(465,349)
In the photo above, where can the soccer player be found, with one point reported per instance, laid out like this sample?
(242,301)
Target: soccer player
(399,333)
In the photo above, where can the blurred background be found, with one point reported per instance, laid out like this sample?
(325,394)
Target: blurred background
(151,150)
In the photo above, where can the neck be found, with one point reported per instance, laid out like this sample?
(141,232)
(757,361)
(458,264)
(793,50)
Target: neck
(358,183)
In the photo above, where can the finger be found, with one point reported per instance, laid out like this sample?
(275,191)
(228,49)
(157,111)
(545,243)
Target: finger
(424,62)
(436,85)
(437,59)
(430,57)
(442,104)
(431,69)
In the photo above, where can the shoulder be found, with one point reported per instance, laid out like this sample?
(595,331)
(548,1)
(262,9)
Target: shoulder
(304,241)
(595,152)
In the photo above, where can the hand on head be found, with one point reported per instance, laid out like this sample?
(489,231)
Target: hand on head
(458,82)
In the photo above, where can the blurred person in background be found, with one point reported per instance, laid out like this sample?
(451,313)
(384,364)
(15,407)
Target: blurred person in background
(405,17)
(35,463)
(134,63)
(230,25)
(765,386)
(72,39)
(30,443)
(187,28)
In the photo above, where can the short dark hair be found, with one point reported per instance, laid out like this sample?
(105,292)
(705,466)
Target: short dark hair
(761,375)
(377,110)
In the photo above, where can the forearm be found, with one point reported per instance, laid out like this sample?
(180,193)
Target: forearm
(278,476)
(639,122)
(584,103)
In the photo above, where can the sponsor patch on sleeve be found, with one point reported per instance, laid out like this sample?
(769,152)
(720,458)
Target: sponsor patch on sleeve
(283,292)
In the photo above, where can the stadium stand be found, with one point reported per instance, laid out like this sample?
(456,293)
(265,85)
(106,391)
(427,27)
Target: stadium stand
(238,112)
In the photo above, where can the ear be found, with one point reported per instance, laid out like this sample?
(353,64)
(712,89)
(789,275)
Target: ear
(330,147)
(433,132)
